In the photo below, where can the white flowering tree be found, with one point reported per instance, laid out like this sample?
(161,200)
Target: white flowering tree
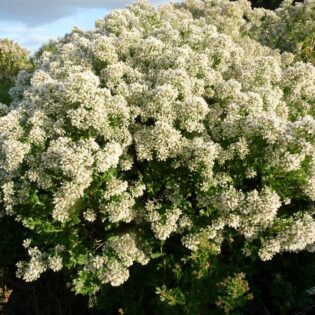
(163,136)
(289,28)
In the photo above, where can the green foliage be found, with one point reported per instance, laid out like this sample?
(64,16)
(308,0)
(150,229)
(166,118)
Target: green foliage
(233,293)
(5,86)
(13,59)
(167,226)
(50,46)
(291,28)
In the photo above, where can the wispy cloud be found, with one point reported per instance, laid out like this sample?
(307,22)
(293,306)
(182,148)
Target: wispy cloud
(29,37)
(33,22)
(37,12)
(32,37)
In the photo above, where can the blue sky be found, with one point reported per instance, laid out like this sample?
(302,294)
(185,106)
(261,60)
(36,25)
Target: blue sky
(33,22)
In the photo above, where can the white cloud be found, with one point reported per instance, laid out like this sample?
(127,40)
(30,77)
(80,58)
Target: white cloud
(37,12)
(33,22)
(29,37)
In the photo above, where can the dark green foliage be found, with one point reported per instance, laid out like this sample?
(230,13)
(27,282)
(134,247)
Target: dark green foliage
(50,46)
(205,284)
(5,86)
(268,4)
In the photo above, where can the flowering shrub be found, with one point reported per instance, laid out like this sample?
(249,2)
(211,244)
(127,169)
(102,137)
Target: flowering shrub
(289,28)
(160,143)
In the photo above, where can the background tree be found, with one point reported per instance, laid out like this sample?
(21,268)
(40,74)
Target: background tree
(13,59)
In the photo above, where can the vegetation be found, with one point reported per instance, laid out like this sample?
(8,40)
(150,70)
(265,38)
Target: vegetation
(5,86)
(290,28)
(13,59)
(164,163)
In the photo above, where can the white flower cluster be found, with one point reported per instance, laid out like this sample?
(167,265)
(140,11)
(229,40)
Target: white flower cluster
(169,120)
(119,253)
(89,215)
(120,208)
(39,262)
(212,235)
(162,224)
(258,212)
(8,197)
(295,236)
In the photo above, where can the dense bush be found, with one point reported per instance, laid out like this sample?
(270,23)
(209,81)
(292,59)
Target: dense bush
(289,28)
(13,59)
(165,161)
